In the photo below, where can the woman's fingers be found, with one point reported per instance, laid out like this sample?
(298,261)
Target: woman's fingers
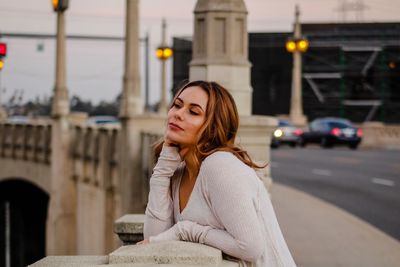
(143,242)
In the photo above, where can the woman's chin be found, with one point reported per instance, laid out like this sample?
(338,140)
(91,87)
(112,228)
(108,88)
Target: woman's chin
(173,138)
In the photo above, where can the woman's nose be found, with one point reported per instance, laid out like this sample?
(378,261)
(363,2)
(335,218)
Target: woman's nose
(179,114)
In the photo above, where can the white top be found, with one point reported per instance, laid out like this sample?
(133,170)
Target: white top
(229,209)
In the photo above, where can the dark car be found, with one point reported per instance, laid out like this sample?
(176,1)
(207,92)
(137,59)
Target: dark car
(329,132)
(286,133)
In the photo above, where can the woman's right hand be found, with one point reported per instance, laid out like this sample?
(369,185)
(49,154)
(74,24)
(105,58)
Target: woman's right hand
(182,150)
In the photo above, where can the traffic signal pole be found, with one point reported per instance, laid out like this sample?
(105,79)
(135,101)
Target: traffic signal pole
(60,103)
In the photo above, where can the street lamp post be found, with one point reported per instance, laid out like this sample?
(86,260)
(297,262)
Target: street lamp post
(62,215)
(60,105)
(297,45)
(163,53)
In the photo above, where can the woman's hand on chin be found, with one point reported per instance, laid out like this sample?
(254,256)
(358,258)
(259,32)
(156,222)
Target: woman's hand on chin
(182,149)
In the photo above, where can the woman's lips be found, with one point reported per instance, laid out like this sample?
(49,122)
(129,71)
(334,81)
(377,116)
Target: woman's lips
(174,127)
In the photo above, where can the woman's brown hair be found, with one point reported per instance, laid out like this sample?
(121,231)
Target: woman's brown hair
(219,130)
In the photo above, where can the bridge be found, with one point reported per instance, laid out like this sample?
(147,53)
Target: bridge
(75,192)
(64,183)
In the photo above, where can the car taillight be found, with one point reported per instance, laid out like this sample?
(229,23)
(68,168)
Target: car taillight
(335,131)
(359,132)
(298,132)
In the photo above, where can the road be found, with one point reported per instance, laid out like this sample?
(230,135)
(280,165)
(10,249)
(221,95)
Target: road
(365,183)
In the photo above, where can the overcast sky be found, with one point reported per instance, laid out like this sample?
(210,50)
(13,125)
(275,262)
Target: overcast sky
(95,68)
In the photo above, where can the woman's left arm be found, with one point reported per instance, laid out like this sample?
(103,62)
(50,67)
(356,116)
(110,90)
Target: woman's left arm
(224,183)
(228,185)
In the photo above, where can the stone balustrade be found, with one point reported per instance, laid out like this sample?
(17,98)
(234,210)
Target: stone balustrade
(130,230)
(94,155)
(29,142)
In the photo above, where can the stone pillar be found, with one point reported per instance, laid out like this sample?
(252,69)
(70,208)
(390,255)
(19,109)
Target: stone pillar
(131,106)
(220,48)
(296,103)
(60,105)
(131,102)
(61,221)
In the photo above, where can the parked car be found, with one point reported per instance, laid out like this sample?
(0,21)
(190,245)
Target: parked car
(18,119)
(329,132)
(101,120)
(286,133)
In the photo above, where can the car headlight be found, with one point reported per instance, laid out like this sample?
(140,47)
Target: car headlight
(278,133)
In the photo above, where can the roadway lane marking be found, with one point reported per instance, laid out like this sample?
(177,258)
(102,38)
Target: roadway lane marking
(383,181)
(322,172)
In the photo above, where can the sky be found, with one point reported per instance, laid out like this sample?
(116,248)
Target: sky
(95,68)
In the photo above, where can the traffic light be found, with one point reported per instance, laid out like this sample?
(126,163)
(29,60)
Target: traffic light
(60,5)
(164,52)
(3,50)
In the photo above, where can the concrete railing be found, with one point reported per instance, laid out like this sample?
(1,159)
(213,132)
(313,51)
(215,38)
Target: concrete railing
(94,155)
(379,135)
(130,229)
(30,142)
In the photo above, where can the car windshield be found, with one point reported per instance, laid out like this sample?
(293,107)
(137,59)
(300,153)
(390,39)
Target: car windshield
(340,125)
(284,123)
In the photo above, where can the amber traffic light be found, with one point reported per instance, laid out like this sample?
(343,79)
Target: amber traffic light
(59,5)
(297,45)
(164,53)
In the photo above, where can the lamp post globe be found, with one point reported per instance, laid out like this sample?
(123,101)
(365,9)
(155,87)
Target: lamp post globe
(302,45)
(164,52)
(297,45)
(59,5)
(290,46)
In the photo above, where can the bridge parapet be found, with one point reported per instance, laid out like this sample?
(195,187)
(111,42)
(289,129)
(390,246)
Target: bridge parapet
(29,142)
(94,155)
(379,135)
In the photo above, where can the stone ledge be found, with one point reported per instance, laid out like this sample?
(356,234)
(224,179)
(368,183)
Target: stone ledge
(171,253)
(71,261)
(129,228)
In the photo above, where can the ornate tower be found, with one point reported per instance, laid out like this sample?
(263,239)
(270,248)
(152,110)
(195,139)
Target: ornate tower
(220,48)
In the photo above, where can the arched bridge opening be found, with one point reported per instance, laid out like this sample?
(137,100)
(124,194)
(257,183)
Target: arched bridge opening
(23,214)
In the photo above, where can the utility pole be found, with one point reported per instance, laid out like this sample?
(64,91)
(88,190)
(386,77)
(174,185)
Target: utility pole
(297,46)
(146,67)
(163,53)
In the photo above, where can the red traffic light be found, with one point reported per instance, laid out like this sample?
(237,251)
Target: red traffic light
(3,49)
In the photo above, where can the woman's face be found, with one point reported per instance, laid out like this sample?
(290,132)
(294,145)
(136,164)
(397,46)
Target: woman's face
(187,115)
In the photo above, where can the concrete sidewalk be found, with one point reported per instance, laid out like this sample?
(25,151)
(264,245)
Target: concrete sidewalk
(322,235)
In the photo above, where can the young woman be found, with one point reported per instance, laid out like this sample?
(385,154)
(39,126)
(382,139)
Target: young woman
(204,188)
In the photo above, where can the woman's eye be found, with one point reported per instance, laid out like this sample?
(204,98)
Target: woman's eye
(175,105)
(193,112)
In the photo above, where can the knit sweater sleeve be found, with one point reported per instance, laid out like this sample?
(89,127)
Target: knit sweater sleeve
(159,210)
(223,181)
(227,184)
